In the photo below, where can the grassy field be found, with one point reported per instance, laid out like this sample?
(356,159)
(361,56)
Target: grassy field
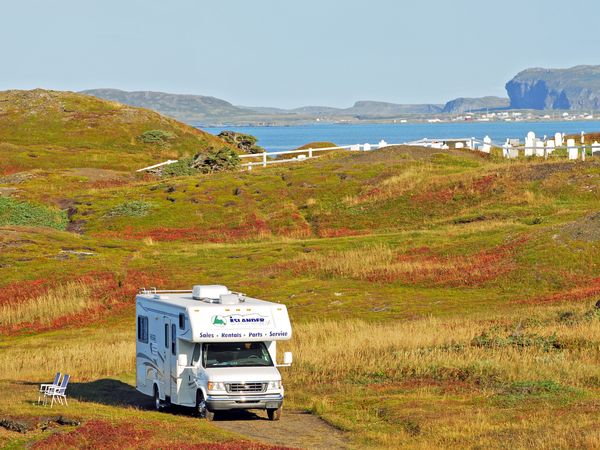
(438,298)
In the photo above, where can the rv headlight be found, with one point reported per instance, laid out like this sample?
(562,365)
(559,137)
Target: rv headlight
(216,386)
(274,385)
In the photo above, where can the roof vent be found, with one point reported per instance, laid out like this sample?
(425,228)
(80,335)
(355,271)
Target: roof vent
(209,292)
(229,299)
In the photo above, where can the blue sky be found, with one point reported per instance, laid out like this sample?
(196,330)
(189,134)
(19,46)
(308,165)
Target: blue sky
(283,53)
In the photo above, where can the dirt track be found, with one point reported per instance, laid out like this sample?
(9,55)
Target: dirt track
(295,429)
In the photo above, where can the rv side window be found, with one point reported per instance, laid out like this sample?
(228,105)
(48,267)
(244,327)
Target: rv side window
(143,329)
(166,335)
(173,338)
(196,354)
(181,321)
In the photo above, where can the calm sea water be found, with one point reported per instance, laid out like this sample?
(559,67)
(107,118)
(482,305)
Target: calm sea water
(290,137)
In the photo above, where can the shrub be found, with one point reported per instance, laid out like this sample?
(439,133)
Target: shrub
(13,212)
(133,208)
(159,137)
(209,162)
(244,142)
(183,167)
(216,160)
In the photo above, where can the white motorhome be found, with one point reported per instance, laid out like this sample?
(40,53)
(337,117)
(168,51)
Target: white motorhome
(210,349)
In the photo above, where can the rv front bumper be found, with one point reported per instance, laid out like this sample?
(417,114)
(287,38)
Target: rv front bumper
(225,402)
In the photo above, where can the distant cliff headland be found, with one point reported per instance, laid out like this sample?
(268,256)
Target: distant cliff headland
(577,88)
(574,89)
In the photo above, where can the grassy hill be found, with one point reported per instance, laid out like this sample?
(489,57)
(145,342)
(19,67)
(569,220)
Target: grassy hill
(188,108)
(53,129)
(438,298)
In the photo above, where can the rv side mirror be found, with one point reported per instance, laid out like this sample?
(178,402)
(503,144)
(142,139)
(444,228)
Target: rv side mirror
(182,360)
(287,358)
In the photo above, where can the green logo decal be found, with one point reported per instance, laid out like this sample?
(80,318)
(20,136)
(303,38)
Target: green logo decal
(218,320)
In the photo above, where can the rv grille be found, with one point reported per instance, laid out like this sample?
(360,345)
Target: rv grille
(243,388)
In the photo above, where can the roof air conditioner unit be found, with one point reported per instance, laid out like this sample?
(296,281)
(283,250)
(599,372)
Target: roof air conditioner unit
(209,291)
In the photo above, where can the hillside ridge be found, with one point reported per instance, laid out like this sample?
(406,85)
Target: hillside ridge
(40,128)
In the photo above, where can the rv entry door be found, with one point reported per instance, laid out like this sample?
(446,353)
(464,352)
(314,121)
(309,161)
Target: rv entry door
(165,356)
(173,363)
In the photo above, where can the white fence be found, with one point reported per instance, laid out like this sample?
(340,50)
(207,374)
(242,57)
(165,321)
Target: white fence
(533,147)
(304,154)
(266,158)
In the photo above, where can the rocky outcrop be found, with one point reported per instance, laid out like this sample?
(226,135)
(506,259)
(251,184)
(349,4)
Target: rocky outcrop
(577,88)
(463,105)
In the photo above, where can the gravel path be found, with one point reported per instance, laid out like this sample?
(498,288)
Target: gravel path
(295,429)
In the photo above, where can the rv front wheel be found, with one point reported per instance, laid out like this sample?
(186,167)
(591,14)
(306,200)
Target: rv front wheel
(202,409)
(274,414)
(157,402)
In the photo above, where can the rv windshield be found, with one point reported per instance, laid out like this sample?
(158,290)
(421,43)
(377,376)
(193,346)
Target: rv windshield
(235,354)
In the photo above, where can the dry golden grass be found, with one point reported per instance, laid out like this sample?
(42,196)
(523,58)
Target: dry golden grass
(443,349)
(353,361)
(383,380)
(421,348)
(62,300)
(356,263)
(381,263)
(394,186)
(85,354)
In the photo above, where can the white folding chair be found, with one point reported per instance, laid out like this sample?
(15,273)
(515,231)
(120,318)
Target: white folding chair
(58,393)
(44,387)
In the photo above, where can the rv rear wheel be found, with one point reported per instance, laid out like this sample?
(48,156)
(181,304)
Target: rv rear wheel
(157,403)
(202,409)
(274,414)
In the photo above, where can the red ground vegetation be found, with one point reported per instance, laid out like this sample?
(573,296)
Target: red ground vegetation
(9,170)
(113,293)
(107,184)
(478,186)
(97,434)
(101,434)
(371,195)
(421,266)
(19,291)
(469,270)
(341,232)
(254,227)
(484,184)
(434,196)
(587,289)
(297,227)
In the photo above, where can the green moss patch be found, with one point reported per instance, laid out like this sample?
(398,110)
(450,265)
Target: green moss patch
(13,212)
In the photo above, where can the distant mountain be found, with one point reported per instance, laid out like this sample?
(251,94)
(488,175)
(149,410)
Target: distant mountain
(205,110)
(463,105)
(266,110)
(576,88)
(318,110)
(188,108)
(370,109)
(361,110)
